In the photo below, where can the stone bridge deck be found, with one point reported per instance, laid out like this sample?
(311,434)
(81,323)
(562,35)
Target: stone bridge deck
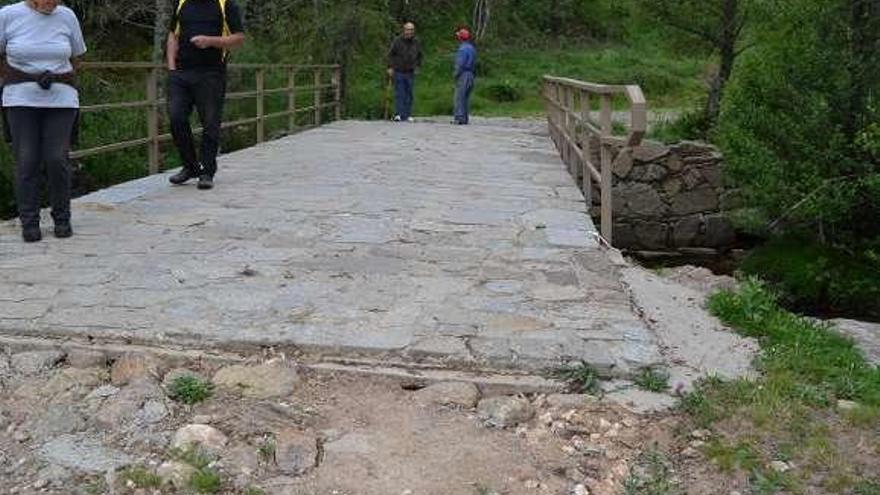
(412,243)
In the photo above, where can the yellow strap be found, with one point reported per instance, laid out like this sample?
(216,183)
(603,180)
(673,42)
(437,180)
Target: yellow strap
(226,30)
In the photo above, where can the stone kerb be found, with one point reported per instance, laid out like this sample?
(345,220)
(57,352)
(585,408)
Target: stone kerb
(668,197)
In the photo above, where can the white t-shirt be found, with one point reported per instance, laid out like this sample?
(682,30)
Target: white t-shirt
(36,43)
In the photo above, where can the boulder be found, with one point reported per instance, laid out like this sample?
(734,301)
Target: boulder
(273,379)
(31,363)
(505,412)
(455,394)
(203,437)
(131,367)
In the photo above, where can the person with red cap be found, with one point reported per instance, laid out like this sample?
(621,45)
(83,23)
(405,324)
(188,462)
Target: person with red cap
(465,65)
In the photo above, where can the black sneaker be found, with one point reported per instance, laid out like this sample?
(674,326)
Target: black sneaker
(32,234)
(63,230)
(206,182)
(181,177)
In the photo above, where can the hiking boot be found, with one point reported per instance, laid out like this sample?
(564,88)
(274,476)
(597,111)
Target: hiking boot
(181,177)
(206,182)
(31,234)
(63,230)
(396,118)
(410,120)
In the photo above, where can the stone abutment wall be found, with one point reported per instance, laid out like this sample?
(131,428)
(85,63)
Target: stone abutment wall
(670,197)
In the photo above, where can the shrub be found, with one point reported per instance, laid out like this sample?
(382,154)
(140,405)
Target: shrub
(504,92)
(818,279)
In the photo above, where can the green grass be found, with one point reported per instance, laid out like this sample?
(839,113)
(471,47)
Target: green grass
(206,480)
(653,380)
(190,389)
(141,477)
(789,412)
(509,80)
(580,378)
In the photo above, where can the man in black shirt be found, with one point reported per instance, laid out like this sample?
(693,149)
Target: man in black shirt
(202,34)
(404,59)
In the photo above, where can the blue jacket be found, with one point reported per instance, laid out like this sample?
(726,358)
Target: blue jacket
(465,59)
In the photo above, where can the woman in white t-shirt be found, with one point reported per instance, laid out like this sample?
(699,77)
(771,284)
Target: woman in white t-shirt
(39,40)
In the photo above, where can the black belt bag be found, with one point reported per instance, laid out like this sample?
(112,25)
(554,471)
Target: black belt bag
(45,81)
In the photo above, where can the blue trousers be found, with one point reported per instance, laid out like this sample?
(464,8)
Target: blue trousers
(404,83)
(464,86)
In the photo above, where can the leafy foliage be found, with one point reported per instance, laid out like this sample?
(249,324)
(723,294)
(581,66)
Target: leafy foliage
(796,126)
(814,278)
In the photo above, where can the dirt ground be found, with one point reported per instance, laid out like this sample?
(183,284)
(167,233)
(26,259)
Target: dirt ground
(277,429)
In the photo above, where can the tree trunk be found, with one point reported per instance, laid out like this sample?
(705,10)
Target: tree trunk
(729,34)
(160,29)
(860,70)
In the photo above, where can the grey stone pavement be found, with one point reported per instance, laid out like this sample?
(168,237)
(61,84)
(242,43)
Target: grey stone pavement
(418,243)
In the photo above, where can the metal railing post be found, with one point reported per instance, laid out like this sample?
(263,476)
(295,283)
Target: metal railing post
(261,108)
(153,151)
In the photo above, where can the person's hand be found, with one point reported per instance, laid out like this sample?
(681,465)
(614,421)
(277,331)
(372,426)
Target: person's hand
(390,72)
(201,41)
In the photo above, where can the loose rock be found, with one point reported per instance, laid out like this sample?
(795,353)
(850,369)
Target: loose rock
(82,452)
(296,452)
(177,474)
(31,363)
(205,437)
(455,394)
(504,412)
(132,367)
(260,382)
(86,358)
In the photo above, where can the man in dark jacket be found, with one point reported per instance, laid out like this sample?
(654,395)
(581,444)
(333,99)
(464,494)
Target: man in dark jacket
(465,66)
(404,60)
(202,34)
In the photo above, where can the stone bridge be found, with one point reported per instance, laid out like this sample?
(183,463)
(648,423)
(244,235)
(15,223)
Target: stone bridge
(416,245)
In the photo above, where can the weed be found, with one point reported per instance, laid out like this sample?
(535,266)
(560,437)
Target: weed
(863,416)
(142,477)
(192,456)
(651,475)
(653,380)
(205,480)
(190,389)
(266,450)
(581,378)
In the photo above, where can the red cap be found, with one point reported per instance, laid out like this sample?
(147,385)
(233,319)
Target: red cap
(463,34)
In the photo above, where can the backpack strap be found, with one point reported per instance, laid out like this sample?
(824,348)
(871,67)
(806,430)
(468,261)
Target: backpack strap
(226,30)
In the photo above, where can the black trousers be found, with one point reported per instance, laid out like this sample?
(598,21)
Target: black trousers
(204,89)
(41,138)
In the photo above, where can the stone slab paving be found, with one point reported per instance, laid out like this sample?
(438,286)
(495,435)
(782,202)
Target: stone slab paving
(412,242)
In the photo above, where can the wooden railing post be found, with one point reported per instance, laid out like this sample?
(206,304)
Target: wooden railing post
(607,130)
(291,100)
(317,96)
(153,150)
(337,82)
(586,149)
(261,108)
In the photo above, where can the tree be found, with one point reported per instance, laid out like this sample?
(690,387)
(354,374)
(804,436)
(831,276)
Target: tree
(798,126)
(717,24)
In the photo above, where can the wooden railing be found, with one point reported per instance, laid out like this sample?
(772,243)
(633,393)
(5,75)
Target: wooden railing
(575,131)
(154,105)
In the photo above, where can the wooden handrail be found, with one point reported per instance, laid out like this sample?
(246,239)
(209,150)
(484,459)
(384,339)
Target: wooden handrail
(573,130)
(154,105)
